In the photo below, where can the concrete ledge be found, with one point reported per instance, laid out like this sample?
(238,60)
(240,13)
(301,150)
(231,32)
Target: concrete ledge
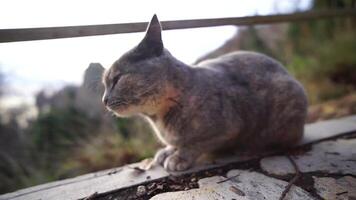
(86,185)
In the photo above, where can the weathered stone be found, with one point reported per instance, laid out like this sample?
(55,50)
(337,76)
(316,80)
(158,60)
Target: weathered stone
(338,189)
(331,157)
(258,186)
(328,128)
(141,190)
(239,185)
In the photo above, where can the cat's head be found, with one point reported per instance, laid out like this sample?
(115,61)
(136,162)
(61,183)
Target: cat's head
(135,82)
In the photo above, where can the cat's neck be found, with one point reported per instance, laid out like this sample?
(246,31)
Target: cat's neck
(179,74)
(178,82)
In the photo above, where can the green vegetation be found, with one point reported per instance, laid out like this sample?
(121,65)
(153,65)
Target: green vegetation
(321,54)
(326,70)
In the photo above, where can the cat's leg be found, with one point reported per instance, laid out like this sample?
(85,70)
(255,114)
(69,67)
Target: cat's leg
(181,159)
(185,156)
(162,154)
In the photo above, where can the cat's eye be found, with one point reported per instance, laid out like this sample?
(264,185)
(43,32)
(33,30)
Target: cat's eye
(115,80)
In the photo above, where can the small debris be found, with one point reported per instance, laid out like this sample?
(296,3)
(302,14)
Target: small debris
(175,187)
(228,179)
(91,196)
(141,190)
(237,190)
(115,171)
(332,153)
(207,173)
(193,185)
(138,170)
(341,193)
(173,178)
(151,186)
(147,164)
(160,187)
(148,177)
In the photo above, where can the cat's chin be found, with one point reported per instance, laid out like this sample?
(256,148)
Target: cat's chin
(124,112)
(123,115)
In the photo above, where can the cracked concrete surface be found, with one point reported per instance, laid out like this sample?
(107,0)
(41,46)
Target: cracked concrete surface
(336,188)
(239,185)
(331,164)
(334,157)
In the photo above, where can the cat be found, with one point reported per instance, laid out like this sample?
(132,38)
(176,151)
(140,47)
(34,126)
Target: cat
(242,100)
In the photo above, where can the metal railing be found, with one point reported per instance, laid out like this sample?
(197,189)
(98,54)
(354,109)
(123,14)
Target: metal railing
(28,34)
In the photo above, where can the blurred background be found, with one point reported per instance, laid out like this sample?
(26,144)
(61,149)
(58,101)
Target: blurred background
(52,122)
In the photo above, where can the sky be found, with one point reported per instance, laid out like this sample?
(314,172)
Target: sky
(50,64)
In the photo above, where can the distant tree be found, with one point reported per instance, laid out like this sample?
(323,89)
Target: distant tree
(55,132)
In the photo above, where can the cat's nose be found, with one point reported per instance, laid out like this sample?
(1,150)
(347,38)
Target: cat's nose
(105,100)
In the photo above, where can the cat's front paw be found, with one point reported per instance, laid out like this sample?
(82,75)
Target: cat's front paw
(176,162)
(162,154)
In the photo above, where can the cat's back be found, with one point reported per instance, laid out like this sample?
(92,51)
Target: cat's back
(245,62)
(244,67)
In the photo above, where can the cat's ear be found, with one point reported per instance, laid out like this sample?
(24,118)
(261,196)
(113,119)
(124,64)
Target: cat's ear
(152,42)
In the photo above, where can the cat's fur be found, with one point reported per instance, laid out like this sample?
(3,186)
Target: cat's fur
(243,100)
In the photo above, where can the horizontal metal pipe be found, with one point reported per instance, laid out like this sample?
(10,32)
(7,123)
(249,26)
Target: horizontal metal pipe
(28,34)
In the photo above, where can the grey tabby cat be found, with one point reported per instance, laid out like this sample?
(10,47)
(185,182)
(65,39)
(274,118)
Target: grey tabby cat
(242,100)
